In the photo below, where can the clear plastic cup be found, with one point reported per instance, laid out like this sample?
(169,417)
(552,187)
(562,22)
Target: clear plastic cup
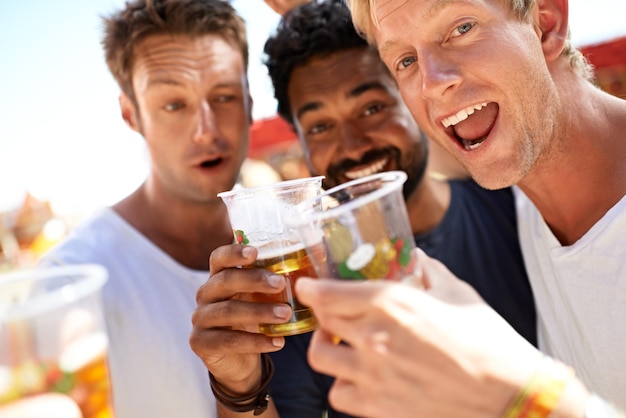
(257,217)
(359,230)
(53,342)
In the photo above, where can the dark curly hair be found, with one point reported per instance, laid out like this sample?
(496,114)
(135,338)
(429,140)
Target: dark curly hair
(318,28)
(138,19)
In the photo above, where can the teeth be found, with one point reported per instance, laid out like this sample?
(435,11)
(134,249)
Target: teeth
(366,171)
(461,115)
(472,145)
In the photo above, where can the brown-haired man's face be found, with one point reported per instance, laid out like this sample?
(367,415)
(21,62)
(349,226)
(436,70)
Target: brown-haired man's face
(351,120)
(193,111)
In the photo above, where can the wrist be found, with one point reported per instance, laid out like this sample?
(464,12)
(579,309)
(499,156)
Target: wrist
(549,390)
(255,400)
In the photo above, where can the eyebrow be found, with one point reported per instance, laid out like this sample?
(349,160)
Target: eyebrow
(355,92)
(432,10)
(162,80)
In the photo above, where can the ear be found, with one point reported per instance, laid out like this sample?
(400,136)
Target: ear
(553,26)
(129,112)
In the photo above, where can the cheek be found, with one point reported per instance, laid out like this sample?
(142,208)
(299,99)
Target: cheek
(321,157)
(411,96)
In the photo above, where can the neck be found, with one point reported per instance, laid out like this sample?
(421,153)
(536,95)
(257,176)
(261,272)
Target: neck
(187,231)
(584,175)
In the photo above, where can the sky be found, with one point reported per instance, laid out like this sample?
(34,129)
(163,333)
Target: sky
(61,136)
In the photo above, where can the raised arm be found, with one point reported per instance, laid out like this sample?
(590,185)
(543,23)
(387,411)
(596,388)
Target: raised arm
(225,331)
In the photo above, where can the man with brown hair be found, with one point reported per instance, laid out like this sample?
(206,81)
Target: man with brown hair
(181,67)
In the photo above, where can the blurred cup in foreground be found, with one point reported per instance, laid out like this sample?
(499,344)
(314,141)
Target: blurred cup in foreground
(53,341)
(363,228)
(257,217)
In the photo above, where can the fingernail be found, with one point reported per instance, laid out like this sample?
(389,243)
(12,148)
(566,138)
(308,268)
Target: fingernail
(303,284)
(278,341)
(282,311)
(247,251)
(275,280)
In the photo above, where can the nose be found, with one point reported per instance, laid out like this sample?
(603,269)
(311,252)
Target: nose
(206,124)
(439,74)
(354,139)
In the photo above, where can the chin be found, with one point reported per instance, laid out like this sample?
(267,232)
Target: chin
(494,182)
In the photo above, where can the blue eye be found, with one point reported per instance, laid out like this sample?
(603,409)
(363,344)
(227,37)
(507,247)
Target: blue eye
(464,28)
(406,62)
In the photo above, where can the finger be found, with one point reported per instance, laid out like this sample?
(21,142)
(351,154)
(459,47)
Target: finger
(337,297)
(327,357)
(232,255)
(232,281)
(417,279)
(345,396)
(208,343)
(240,314)
(445,286)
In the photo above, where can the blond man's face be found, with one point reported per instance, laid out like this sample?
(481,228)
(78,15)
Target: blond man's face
(475,79)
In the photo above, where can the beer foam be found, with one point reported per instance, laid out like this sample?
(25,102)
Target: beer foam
(277,249)
(82,351)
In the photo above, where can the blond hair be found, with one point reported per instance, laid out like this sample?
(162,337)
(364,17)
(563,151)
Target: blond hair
(365,21)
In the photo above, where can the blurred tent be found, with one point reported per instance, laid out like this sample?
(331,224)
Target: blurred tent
(270,135)
(273,140)
(609,60)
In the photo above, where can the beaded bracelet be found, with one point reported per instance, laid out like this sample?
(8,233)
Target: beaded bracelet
(541,394)
(256,401)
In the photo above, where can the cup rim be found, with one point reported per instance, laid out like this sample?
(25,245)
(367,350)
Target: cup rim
(396,178)
(97,276)
(267,187)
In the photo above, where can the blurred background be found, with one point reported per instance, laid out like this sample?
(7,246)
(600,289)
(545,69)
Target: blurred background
(65,151)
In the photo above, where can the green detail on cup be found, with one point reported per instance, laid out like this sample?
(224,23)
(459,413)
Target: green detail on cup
(240,237)
(404,251)
(64,383)
(346,273)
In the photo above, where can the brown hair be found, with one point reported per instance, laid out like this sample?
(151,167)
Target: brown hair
(365,20)
(125,28)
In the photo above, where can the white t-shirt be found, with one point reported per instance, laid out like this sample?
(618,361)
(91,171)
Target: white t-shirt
(148,302)
(580,292)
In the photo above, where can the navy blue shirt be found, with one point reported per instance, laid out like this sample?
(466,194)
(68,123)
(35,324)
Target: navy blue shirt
(477,240)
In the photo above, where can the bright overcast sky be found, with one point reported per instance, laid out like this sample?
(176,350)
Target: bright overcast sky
(61,136)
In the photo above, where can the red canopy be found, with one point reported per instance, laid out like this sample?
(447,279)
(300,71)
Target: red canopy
(269,134)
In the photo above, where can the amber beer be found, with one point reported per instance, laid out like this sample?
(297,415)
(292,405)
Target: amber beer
(81,373)
(292,261)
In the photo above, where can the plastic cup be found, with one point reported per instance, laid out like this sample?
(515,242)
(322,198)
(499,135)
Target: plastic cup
(359,230)
(257,217)
(53,342)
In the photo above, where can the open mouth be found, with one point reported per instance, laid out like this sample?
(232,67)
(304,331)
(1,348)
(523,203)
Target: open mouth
(363,171)
(211,163)
(472,125)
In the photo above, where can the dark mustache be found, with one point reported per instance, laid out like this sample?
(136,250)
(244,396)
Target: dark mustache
(369,157)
